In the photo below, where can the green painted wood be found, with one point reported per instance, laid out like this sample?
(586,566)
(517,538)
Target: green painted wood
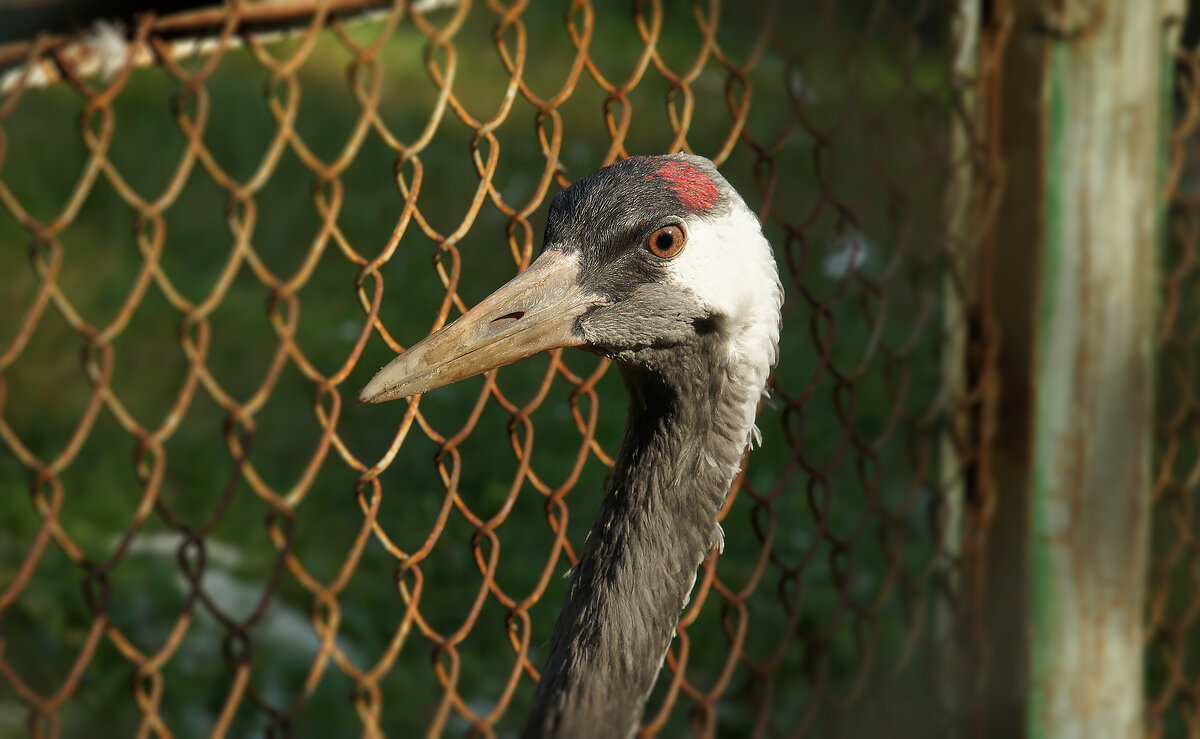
(1093,369)
(1081,107)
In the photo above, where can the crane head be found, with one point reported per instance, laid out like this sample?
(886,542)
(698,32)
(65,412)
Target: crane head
(645,256)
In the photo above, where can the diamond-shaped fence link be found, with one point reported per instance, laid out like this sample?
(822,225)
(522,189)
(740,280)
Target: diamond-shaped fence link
(1173,690)
(215,226)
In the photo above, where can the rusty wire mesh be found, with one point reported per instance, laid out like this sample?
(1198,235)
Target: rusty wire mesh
(1173,691)
(204,535)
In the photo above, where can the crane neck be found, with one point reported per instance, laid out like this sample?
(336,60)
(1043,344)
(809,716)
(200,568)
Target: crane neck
(689,423)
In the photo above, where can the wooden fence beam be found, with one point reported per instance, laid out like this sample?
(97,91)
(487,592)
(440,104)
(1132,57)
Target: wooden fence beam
(1081,107)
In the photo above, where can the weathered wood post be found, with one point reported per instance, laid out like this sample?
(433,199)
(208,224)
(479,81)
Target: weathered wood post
(1081,113)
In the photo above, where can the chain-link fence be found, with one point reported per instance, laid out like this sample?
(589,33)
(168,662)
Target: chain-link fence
(1174,682)
(216,225)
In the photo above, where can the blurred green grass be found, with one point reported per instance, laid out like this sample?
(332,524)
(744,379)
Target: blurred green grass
(882,130)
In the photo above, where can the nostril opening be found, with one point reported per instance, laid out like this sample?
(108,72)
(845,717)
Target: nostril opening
(514,315)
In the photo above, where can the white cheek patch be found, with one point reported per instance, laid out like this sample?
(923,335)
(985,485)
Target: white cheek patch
(729,266)
(725,262)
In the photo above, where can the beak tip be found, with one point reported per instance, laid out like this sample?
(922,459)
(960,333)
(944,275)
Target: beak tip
(374,392)
(382,390)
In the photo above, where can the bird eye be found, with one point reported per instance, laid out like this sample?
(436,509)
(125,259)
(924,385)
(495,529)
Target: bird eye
(667,242)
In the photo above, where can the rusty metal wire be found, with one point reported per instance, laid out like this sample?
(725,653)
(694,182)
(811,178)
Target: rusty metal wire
(214,540)
(1173,680)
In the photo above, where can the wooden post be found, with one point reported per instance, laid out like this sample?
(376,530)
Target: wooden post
(961,206)
(1081,111)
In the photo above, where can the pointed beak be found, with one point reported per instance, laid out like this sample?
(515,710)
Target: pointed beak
(534,312)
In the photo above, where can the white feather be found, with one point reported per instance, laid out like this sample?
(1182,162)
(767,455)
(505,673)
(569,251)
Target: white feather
(730,266)
(719,535)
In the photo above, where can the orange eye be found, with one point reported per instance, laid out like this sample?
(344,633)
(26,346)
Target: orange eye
(667,242)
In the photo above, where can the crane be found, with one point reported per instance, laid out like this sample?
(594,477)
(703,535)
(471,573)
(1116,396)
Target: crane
(657,263)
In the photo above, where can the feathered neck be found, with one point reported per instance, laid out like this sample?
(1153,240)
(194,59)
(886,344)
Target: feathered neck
(685,435)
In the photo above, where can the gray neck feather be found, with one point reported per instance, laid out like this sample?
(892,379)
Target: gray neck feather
(684,439)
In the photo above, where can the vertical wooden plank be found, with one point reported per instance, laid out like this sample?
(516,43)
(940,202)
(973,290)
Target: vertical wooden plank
(961,208)
(1074,288)
(1014,110)
(964,41)
(1093,370)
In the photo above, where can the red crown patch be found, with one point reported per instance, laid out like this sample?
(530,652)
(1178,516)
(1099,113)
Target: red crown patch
(696,192)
